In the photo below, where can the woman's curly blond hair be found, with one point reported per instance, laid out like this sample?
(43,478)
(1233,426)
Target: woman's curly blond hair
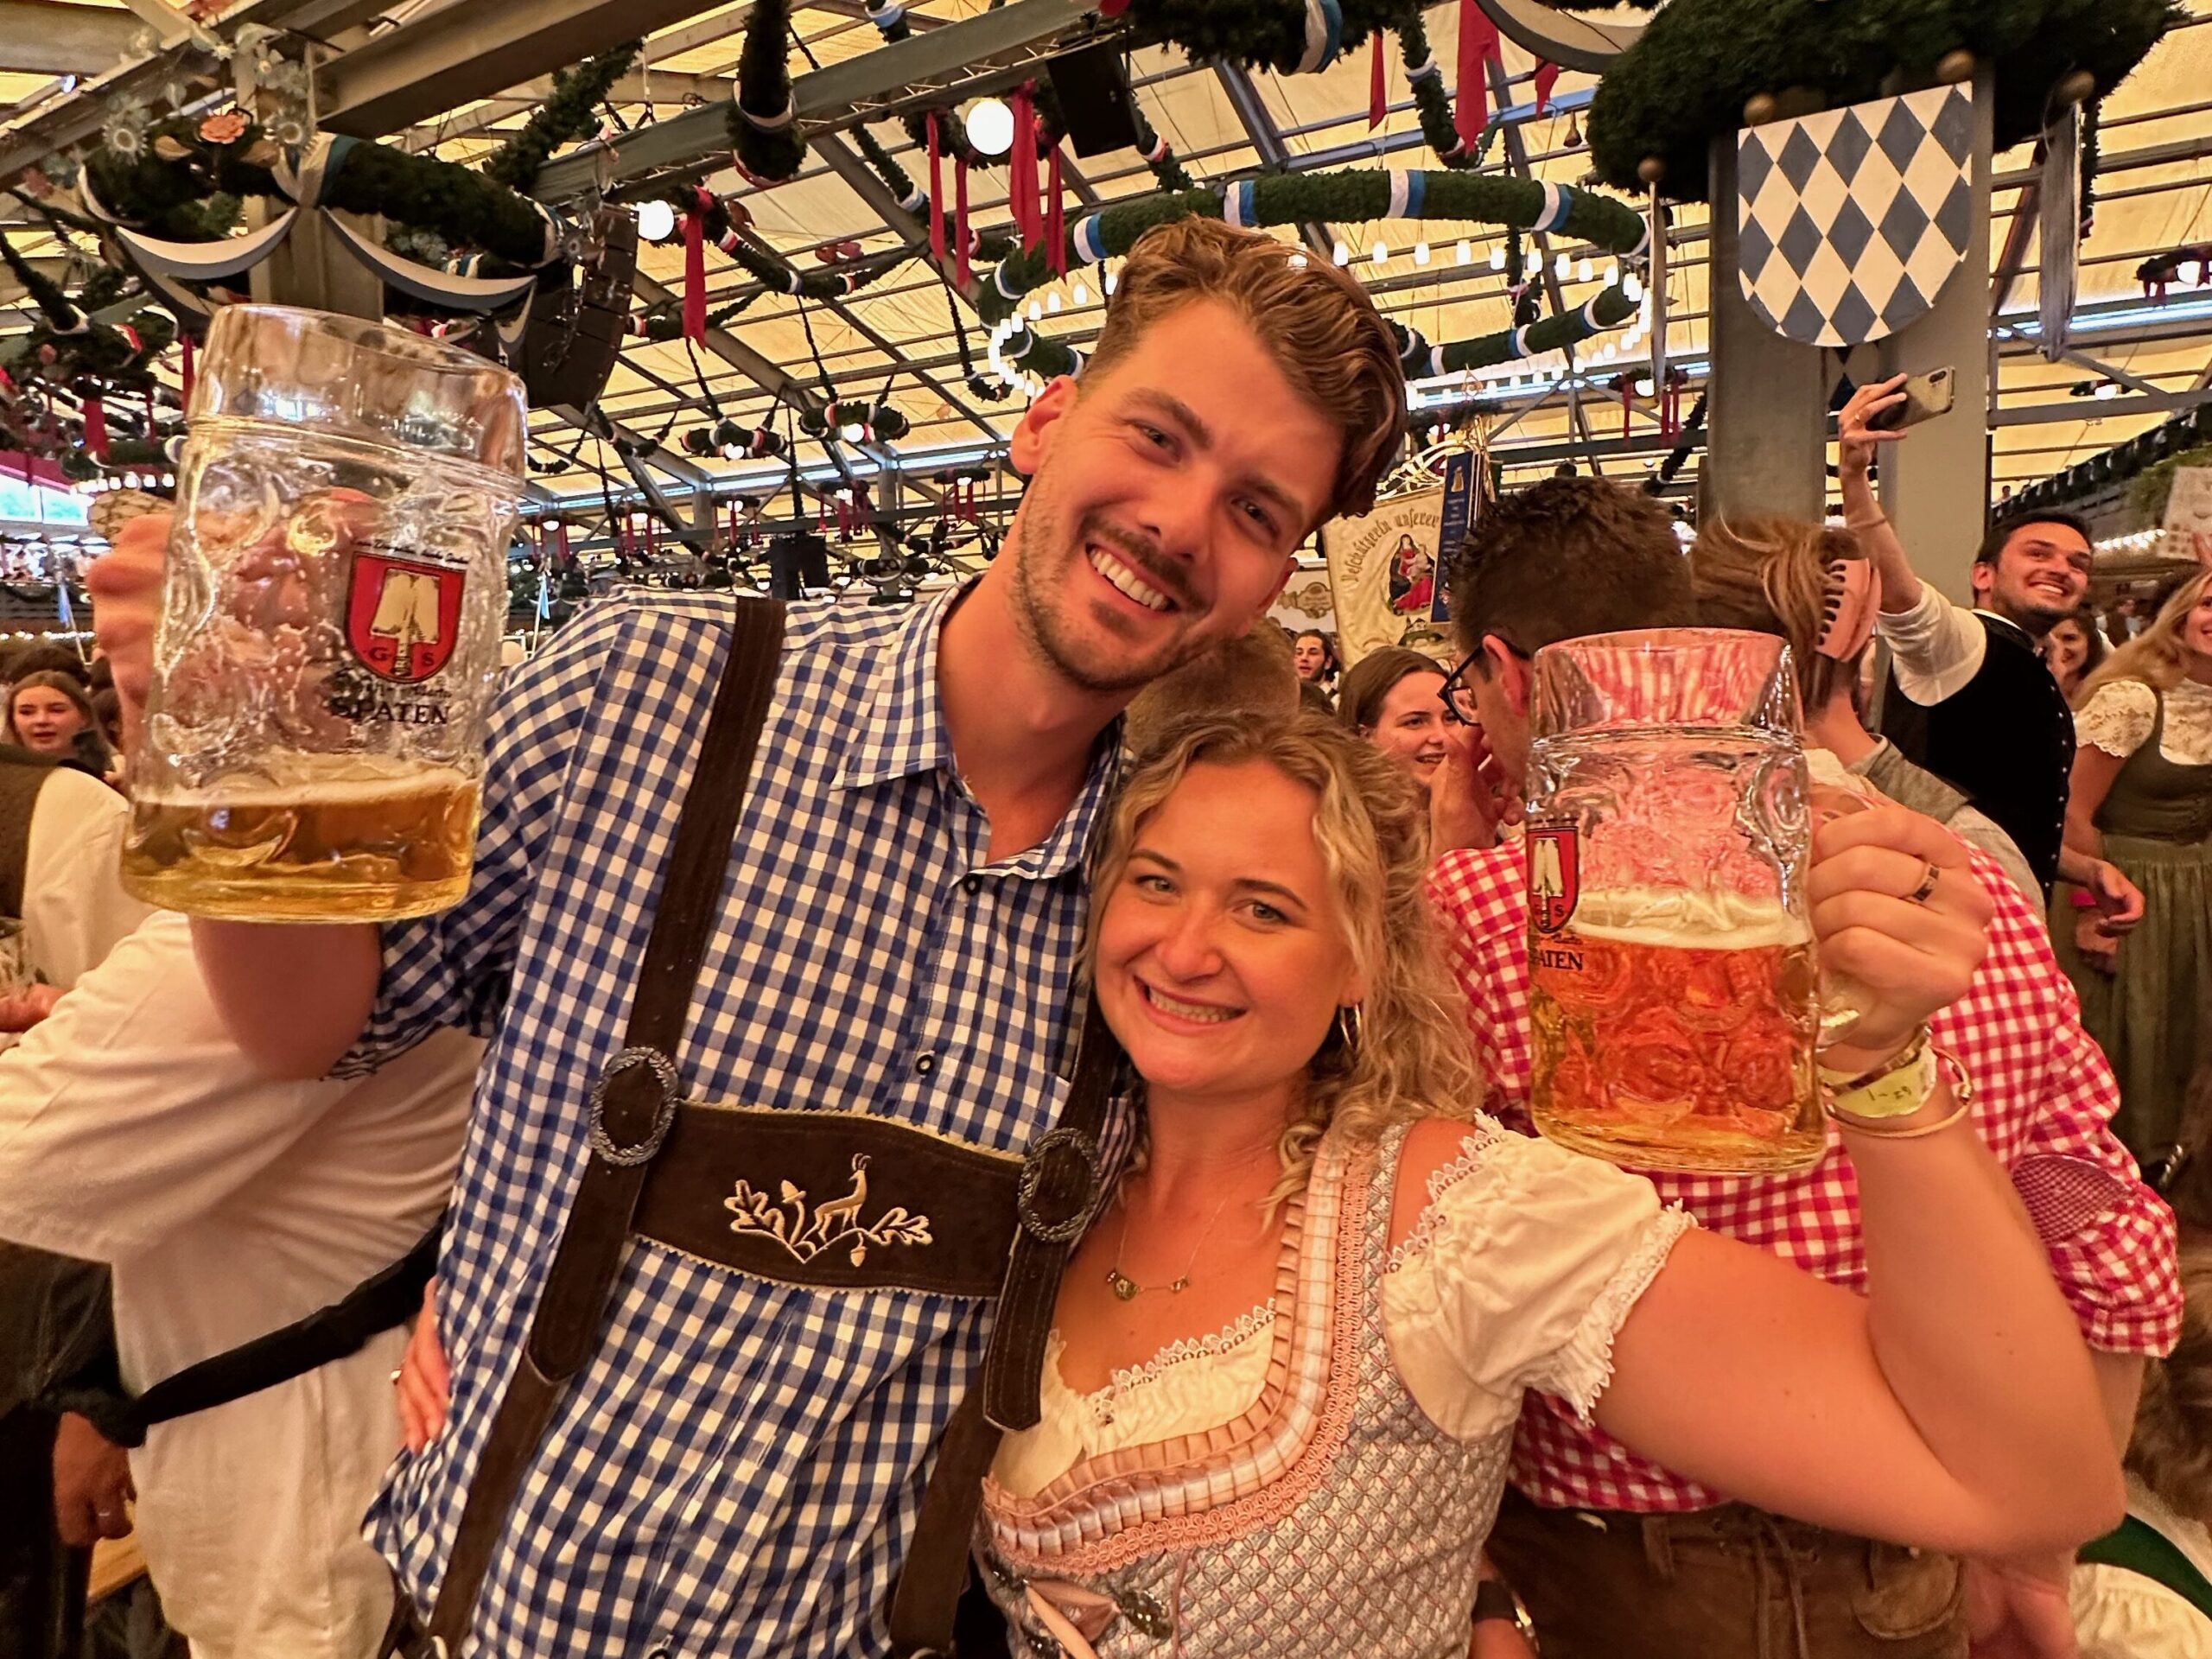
(1413,1058)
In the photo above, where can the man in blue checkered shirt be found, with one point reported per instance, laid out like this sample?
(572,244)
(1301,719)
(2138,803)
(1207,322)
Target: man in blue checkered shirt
(736,1469)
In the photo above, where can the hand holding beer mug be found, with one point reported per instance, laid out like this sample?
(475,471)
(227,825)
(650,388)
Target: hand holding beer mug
(1673,993)
(333,602)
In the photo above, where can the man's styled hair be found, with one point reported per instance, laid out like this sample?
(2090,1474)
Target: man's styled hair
(1315,321)
(2004,529)
(1251,674)
(1567,557)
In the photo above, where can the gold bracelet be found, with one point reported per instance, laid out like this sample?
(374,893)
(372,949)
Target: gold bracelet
(1873,1131)
(1907,1053)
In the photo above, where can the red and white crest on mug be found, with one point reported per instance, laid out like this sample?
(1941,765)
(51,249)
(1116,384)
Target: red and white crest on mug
(403,619)
(1554,874)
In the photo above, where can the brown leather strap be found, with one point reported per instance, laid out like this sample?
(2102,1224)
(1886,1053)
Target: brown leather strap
(1064,1184)
(632,1106)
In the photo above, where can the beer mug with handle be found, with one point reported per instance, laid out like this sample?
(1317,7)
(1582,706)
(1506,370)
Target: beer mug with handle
(1675,998)
(335,595)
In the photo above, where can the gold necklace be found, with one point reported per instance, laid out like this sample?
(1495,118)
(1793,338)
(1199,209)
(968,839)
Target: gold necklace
(1127,1289)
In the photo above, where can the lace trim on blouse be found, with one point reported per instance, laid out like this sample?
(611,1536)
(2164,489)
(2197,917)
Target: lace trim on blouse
(2118,720)
(1483,1133)
(1231,1337)
(1584,1369)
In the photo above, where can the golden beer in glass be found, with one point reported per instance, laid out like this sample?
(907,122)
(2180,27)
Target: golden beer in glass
(1675,999)
(335,595)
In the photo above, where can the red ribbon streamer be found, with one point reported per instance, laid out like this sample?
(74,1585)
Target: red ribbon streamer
(1547,75)
(1056,223)
(1477,44)
(1021,170)
(694,269)
(937,193)
(96,427)
(960,271)
(1378,102)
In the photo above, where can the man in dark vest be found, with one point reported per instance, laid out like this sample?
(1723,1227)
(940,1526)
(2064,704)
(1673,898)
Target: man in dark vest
(1968,696)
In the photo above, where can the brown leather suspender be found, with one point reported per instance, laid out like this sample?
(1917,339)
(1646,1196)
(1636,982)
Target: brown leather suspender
(632,1106)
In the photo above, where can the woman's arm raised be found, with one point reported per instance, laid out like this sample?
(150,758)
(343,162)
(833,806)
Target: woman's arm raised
(1955,1405)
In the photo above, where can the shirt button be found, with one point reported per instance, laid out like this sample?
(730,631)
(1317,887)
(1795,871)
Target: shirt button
(972,885)
(926,1064)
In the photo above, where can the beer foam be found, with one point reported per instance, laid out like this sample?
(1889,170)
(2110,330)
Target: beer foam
(350,783)
(1689,920)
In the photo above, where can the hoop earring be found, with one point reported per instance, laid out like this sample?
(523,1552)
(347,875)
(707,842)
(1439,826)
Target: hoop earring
(1349,1024)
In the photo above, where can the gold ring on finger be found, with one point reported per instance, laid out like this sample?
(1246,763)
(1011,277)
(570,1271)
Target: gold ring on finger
(1928,874)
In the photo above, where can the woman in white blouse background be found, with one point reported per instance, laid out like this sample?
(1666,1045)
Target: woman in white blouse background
(1290,1353)
(2142,799)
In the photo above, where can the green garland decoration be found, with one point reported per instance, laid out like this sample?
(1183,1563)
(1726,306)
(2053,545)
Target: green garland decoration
(1352,193)
(1287,199)
(1685,81)
(1257,33)
(69,350)
(895,178)
(570,113)
(1167,169)
(1432,99)
(881,419)
(176,195)
(723,229)
(770,153)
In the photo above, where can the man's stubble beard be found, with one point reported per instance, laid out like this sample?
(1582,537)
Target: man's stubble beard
(1042,537)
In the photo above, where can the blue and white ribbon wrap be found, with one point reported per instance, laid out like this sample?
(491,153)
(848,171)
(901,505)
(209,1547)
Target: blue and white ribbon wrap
(1240,204)
(1409,191)
(1559,202)
(1089,239)
(1325,36)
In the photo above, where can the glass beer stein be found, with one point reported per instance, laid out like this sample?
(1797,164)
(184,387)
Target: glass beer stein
(1674,1000)
(334,594)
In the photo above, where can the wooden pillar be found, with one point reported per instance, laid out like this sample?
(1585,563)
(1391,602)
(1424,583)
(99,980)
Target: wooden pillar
(1766,418)
(1936,484)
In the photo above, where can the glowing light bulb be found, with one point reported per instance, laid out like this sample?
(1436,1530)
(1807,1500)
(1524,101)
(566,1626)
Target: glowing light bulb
(1644,385)
(1113,281)
(1585,270)
(1036,312)
(1420,253)
(1613,273)
(656,220)
(1382,254)
(2108,390)
(1297,260)
(1342,254)
(990,126)
(1082,294)
(1632,286)
(1562,266)
(1497,258)
(1464,253)
(1053,301)
(852,432)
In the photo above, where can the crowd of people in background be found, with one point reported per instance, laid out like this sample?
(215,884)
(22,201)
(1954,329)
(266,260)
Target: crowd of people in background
(1334,1303)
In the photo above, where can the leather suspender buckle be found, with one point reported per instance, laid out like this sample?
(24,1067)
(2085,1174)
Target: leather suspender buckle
(629,1155)
(1059,1185)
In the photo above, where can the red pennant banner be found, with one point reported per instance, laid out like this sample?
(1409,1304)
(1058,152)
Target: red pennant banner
(1477,45)
(961,269)
(937,192)
(1021,170)
(1378,102)
(1056,224)
(1546,76)
(694,269)
(96,427)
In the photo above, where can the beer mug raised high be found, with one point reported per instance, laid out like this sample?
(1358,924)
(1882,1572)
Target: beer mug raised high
(335,591)
(1674,997)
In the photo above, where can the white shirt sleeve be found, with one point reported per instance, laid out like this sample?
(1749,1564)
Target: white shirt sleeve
(1517,1276)
(74,907)
(1937,646)
(2119,718)
(2118,1614)
(128,1110)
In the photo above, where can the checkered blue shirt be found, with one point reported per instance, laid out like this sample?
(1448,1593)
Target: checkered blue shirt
(737,1469)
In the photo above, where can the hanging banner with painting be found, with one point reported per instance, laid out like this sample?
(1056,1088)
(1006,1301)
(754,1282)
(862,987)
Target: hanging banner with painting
(1384,573)
(2188,516)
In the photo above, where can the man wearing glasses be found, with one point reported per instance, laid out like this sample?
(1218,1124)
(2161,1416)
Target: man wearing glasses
(1613,1554)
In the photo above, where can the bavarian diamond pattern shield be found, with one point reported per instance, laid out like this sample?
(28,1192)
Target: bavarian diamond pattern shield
(1851,221)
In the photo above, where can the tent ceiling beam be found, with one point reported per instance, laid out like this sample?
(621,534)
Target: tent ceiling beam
(928,65)
(40,38)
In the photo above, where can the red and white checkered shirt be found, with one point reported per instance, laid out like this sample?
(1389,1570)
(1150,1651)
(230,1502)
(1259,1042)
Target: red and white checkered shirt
(2043,1100)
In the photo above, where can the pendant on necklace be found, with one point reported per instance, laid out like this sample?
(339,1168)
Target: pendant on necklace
(1122,1285)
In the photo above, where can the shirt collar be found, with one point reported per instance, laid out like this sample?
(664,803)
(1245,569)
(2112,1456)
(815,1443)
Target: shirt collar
(903,731)
(2007,622)
(904,735)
